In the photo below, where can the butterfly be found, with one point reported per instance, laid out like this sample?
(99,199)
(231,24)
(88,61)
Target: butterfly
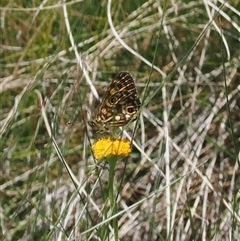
(119,105)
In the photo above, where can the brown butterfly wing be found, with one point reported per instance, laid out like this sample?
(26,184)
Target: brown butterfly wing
(119,105)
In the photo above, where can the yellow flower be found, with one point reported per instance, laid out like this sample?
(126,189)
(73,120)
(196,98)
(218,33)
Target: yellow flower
(106,147)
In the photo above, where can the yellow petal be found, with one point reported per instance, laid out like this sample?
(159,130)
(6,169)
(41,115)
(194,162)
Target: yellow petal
(106,147)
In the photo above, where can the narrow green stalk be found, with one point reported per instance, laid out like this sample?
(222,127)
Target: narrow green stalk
(112,163)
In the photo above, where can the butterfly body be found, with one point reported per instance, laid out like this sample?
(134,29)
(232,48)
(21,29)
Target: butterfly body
(119,105)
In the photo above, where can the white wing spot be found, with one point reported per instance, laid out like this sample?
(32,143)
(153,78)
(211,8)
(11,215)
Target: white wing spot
(104,111)
(127,116)
(117,118)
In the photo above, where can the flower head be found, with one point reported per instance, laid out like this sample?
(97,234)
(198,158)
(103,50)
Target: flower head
(106,147)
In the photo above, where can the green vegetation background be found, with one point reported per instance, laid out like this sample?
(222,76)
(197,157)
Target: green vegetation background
(181,181)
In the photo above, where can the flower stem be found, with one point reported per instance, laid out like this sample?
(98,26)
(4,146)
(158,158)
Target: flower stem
(113,204)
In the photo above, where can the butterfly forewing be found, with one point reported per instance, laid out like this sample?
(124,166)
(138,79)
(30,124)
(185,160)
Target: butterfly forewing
(119,105)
